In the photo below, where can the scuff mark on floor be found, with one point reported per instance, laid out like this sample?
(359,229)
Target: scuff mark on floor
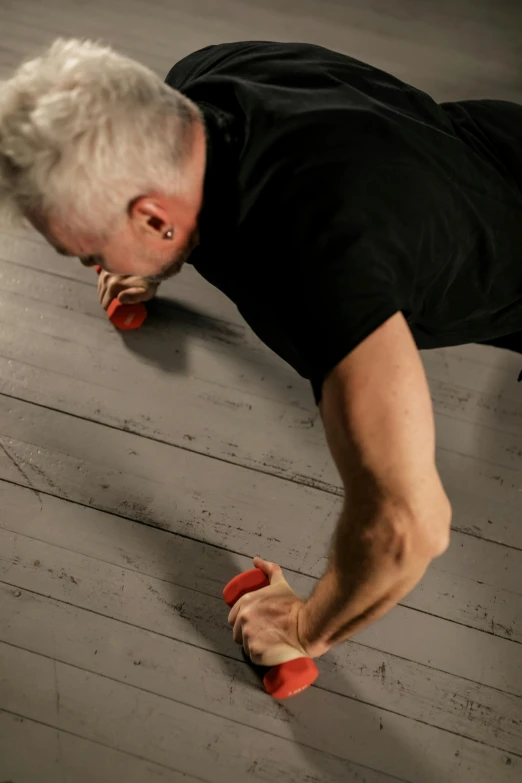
(22,473)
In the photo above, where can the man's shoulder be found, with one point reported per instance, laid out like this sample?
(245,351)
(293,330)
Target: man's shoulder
(214,57)
(257,61)
(193,65)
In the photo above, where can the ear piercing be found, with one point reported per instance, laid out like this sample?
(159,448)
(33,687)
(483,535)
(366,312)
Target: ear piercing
(169,234)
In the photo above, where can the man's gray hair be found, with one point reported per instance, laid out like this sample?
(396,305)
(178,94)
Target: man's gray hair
(84,131)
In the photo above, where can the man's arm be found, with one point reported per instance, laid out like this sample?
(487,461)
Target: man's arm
(378,418)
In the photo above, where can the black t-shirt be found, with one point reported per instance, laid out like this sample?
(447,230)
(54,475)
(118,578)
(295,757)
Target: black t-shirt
(336,196)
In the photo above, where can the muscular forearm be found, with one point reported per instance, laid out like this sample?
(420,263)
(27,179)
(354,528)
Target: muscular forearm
(396,516)
(372,566)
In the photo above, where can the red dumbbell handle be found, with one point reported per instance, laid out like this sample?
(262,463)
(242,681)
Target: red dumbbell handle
(125,316)
(286,679)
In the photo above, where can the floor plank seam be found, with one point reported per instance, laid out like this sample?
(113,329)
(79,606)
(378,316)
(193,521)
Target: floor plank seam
(68,308)
(238,659)
(312,484)
(216,715)
(134,625)
(321,486)
(97,742)
(222,548)
(257,728)
(483,460)
(143,522)
(44,271)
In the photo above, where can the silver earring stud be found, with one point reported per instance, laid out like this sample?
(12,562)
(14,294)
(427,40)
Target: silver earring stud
(169,234)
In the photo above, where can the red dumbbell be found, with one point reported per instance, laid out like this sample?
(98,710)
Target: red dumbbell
(125,316)
(285,679)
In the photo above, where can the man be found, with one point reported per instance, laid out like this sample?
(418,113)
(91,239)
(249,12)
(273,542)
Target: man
(351,219)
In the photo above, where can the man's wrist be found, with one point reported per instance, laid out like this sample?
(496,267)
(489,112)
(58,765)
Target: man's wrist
(314,647)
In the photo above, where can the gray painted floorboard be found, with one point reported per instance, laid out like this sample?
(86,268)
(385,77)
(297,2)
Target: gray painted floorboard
(125,510)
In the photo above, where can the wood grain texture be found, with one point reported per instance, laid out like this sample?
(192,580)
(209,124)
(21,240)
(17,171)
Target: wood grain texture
(221,749)
(459,650)
(179,736)
(138,474)
(32,752)
(185,604)
(79,462)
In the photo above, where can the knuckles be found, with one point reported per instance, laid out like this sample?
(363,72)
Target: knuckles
(245,614)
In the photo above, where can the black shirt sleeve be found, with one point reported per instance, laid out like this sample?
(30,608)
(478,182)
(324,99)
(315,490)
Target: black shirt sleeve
(337,307)
(347,260)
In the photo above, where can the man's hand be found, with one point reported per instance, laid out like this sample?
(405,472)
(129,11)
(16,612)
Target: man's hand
(129,290)
(265,622)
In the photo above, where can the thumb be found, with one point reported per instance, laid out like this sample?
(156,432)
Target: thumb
(272,570)
(132,295)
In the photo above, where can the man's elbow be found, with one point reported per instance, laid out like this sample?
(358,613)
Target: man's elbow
(430,529)
(417,535)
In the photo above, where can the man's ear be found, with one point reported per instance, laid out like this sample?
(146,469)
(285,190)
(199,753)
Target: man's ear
(149,214)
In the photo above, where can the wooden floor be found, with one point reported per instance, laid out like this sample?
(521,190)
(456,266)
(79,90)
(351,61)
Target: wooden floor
(138,474)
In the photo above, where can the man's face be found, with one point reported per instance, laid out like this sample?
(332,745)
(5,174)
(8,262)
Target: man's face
(129,251)
(126,253)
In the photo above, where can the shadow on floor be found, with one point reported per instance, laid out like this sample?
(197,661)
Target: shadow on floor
(165,342)
(322,723)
